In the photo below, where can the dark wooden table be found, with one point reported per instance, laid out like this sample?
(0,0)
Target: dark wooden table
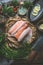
(37,61)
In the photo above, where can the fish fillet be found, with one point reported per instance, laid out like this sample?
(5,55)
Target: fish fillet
(18,33)
(24,33)
(16,26)
(29,36)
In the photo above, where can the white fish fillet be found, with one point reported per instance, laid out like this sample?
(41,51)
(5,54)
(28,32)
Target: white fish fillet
(29,36)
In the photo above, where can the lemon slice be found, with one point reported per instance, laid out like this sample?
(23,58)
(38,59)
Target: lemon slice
(36,10)
(35,13)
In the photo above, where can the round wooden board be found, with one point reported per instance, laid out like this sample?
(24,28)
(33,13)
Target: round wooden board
(13,20)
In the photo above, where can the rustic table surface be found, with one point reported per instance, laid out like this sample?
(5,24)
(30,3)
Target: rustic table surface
(37,61)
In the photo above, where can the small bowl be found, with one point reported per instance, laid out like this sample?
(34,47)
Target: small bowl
(40,25)
(22,11)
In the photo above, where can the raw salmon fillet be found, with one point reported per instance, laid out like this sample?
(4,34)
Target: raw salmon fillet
(18,33)
(16,26)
